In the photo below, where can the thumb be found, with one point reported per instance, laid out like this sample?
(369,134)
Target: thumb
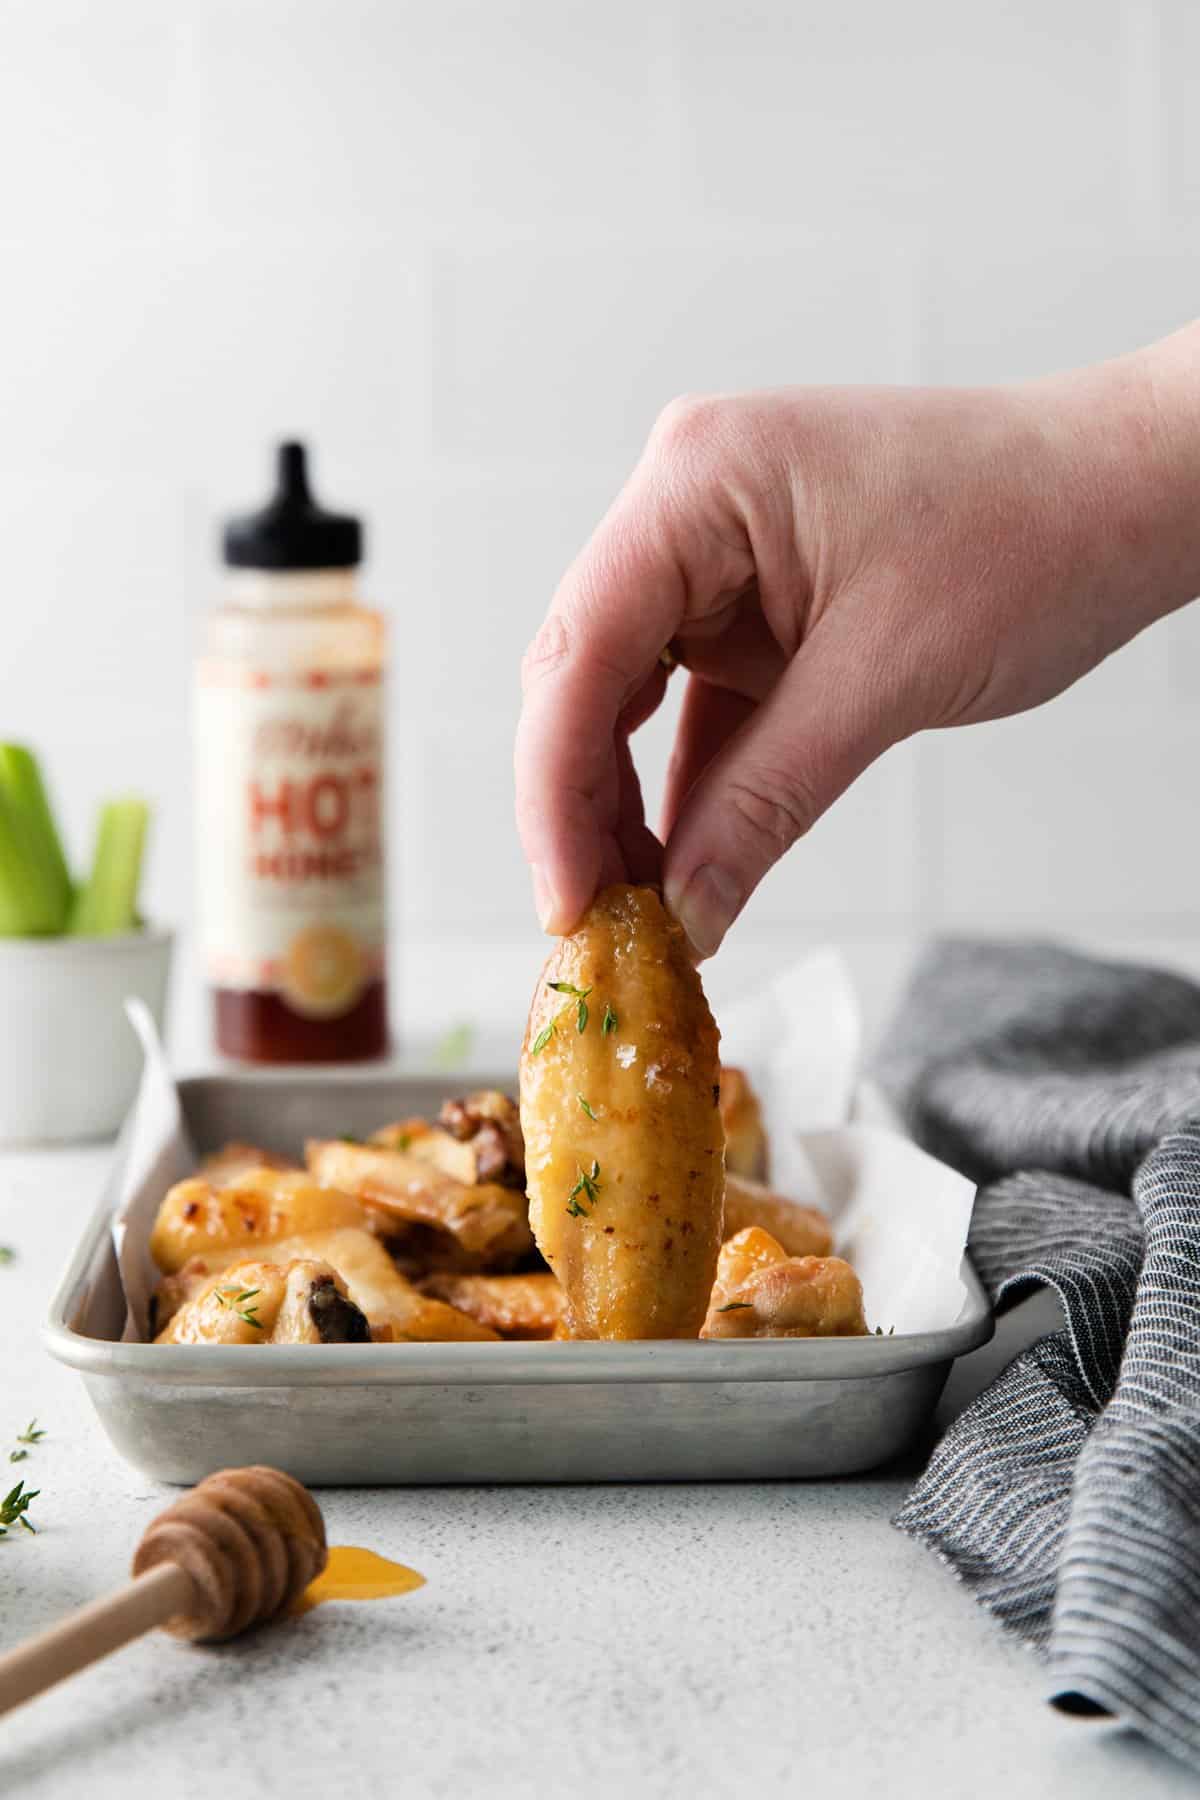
(828,717)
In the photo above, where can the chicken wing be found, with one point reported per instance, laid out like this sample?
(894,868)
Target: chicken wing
(258,1207)
(745,1135)
(487,1225)
(475,1139)
(761,1291)
(298,1302)
(802,1230)
(396,1311)
(620,1113)
(517,1306)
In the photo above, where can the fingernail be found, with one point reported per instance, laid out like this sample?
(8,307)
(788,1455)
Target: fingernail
(544,903)
(706,907)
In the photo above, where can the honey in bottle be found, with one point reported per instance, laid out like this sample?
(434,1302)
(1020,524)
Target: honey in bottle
(290,767)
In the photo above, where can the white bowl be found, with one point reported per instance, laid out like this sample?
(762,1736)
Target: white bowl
(69,1058)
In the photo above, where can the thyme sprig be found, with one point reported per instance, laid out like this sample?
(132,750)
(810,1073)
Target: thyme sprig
(235,1299)
(7,1253)
(31,1434)
(14,1507)
(588,1186)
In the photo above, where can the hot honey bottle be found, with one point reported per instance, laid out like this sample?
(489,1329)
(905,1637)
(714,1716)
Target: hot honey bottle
(290,769)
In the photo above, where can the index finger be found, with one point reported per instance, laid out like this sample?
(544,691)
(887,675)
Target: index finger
(616,608)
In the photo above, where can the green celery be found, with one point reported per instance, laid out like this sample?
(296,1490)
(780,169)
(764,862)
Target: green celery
(21,779)
(31,901)
(107,901)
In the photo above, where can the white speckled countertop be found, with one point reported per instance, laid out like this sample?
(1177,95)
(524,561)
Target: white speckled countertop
(656,1641)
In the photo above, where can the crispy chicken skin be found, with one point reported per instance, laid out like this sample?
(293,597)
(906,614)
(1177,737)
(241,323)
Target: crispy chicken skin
(802,1230)
(516,1306)
(297,1302)
(745,1136)
(256,1208)
(622,1126)
(760,1291)
(487,1224)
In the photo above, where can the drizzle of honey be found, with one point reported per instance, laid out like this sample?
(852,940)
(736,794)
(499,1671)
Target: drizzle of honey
(356,1574)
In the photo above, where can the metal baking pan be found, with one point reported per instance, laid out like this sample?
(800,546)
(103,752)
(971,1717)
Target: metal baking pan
(389,1414)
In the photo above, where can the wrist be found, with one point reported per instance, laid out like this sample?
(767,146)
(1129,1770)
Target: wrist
(1139,423)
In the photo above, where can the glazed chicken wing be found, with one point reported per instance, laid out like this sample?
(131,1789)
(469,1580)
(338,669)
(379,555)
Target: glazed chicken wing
(761,1291)
(802,1230)
(486,1225)
(620,1113)
(745,1135)
(396,1311)
(517,1306)
(298,1302)
(259,1207)
(475,1139)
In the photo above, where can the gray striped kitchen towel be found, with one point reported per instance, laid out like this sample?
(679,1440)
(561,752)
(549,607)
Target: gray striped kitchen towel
(1067,1496)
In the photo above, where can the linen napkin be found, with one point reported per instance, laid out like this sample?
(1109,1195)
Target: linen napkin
(1067,1496)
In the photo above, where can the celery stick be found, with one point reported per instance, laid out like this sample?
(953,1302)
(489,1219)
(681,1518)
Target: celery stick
(107,901)
(30,905)
(21,779)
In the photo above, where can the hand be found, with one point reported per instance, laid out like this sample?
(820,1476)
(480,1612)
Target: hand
(838,569)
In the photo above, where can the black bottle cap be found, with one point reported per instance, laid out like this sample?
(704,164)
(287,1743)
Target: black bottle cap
(292,531)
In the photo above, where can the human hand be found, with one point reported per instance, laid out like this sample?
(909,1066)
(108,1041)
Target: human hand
(838,569)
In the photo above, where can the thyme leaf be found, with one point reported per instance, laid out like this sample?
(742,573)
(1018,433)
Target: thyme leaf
(235,1299)
(15,1505)
(543,1038)
(576,993)
(735,1305)
(7,1253)
(587,1109)
(609,1022)
(589,1186)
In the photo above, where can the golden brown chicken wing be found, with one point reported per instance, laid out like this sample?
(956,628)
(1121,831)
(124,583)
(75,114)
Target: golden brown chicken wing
(256,1208)
(620,1113)
(760,1291)
(396,1311)
(484,1226)
(298,1302)
(517,1306)
(802,1230)
(475,1139)
(745,1135)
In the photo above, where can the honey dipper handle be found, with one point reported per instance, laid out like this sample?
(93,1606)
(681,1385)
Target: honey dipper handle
(92,1632)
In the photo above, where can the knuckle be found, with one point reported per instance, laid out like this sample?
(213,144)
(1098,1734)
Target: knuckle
(687,426)
(548,651)
(774,808)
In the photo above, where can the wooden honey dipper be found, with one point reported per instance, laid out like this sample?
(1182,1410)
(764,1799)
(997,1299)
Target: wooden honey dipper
(235,1552)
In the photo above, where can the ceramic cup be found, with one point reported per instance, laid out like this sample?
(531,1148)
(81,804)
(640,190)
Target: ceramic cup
(69,1058)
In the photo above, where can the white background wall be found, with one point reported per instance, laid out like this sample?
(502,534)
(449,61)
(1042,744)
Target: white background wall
(469,250)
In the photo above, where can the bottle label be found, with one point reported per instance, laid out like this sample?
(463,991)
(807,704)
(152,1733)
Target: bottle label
(290,852)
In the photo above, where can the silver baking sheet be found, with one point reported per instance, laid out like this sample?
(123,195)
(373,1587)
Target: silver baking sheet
(389,1414)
